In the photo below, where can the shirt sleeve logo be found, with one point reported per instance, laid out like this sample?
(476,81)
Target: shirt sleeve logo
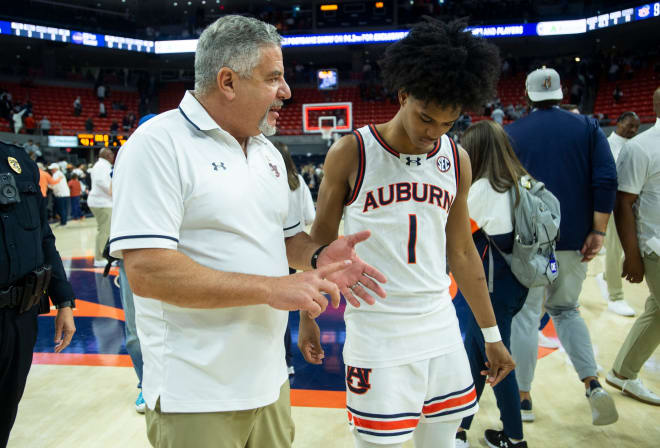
(443,164)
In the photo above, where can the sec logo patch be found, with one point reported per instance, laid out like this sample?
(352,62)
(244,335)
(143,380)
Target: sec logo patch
(443,164)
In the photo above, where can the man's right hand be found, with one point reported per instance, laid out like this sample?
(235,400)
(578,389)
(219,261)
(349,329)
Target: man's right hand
(304,291)
(309,340)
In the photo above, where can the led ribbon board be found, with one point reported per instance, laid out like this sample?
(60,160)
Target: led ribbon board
(75,37)
(554,28)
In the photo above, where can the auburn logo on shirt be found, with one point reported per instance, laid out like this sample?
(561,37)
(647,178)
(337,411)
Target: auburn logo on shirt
(274,169)
(357,379)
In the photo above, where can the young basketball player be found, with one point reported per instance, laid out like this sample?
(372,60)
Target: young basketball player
(406,367)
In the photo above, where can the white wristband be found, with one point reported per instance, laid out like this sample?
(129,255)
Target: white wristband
(491,334)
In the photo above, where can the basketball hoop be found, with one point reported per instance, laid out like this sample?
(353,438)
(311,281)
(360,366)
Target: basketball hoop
(326,132)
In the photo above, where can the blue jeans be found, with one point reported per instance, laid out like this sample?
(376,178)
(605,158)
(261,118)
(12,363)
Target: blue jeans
(75,207)
(132,341)
(62,208)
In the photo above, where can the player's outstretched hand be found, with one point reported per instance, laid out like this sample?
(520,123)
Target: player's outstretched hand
(499,364)
(304,291)
(309,339)
(352,279)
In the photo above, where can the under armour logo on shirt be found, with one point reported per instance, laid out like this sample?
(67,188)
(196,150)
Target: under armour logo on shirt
(217,166)
(417,160)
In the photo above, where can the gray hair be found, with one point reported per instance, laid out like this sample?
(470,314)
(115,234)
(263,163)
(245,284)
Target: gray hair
(234,42)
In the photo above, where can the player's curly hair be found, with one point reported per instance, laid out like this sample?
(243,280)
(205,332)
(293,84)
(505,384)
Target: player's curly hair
(441,63)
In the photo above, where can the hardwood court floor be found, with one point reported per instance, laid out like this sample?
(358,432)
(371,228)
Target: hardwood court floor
(92,406)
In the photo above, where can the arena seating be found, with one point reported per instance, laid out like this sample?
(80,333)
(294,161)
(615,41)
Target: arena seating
(56,103)
(637,93)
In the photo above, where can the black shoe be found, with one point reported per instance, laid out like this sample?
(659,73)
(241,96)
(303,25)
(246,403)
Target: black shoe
(461,440)
(497,439)
(526,412)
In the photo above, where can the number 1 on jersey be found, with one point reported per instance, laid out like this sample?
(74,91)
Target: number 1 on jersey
(412,239)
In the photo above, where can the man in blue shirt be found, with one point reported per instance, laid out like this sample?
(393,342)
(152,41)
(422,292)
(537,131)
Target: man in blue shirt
(570,154)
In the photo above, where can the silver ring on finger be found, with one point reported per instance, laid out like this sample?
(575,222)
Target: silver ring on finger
(352,287)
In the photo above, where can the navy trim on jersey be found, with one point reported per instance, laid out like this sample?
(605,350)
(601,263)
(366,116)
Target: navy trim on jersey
(435,149)
(131,237)
(457,162)
(412,239)
(384,434)
(367,414)
(382,142)
(362,165)
(442,397)
(453,411)
(189,120)
(292,227)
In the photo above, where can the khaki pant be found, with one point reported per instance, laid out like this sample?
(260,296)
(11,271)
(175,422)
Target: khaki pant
(267,427)
(103,217)
(644,335)
(613,262)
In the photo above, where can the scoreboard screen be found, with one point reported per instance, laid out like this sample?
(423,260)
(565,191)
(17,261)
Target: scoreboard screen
(328,79)
(101,140)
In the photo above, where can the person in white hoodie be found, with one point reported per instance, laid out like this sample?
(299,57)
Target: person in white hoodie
(100,202)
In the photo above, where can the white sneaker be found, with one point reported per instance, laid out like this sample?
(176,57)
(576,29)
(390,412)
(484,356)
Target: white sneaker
(620,307)
(602,286)
(603,410)
(634,388)
(547,342)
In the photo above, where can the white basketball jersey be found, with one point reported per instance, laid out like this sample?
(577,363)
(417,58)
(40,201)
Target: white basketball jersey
(405,201)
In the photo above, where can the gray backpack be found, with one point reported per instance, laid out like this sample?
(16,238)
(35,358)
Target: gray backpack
(536,232)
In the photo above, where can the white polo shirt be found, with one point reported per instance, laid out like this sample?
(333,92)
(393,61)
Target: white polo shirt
(302,200)
(616,143)
(60,189)
(99,195)
(183,183)
(638,169)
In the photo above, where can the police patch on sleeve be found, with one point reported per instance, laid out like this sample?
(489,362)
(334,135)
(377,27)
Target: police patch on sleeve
(14,165)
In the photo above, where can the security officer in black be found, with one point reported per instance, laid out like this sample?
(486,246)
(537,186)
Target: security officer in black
(30,271)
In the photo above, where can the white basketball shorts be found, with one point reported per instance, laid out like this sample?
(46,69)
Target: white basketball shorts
(385,404)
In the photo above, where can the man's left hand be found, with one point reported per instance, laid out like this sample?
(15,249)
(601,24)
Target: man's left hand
(499,364)
(64,328)
(352,280)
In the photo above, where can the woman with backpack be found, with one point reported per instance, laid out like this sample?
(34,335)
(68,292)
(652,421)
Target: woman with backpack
(496,174)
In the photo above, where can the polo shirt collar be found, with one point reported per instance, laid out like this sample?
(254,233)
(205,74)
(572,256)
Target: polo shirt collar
(616,136)
(193,111)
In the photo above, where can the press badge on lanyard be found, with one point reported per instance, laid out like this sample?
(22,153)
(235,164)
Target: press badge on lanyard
(553,264)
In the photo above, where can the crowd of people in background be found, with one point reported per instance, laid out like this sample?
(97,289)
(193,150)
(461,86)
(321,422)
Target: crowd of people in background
(65,188)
